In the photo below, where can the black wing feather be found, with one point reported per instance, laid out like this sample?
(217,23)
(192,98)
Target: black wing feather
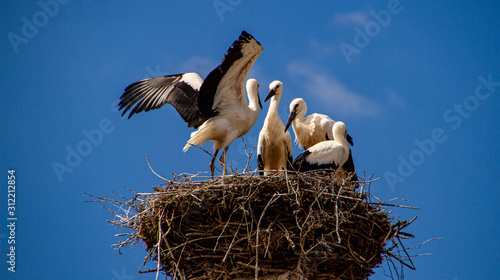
(195,107)
(153,93)
(348,167)
(349,139)
(260,164)
(300,163)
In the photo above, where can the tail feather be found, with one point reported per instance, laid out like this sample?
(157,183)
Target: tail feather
(197,138)
(186,147)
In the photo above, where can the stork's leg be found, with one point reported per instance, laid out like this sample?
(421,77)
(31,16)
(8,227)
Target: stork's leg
(212,166)
(224,166)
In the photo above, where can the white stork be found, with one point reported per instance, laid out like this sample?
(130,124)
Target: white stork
(217,106)
(312,129)
(331,154)
(274,149)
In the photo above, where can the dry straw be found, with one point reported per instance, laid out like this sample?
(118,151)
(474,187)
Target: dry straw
(244,226)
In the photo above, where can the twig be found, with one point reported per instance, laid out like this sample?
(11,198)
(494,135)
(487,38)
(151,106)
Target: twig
(250,226)
(152,170)
(249,156)
(271,201)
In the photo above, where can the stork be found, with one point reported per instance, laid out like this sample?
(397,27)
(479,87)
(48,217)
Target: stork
(274,148)
(216,106)
(329,155)
(312,129)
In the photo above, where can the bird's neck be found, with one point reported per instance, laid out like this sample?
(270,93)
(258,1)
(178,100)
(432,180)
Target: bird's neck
(254,106)
(341,139)
(298,122)
(273,106)
(253,98)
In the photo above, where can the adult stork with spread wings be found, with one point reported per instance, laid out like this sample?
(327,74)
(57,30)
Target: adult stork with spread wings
(216,106)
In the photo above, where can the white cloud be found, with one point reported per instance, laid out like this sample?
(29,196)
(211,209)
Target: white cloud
(396,100)
(320,49)
(326,89)
(353,18)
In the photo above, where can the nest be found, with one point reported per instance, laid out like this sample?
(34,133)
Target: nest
(244,226)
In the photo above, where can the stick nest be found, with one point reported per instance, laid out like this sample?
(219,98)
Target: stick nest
(243,226)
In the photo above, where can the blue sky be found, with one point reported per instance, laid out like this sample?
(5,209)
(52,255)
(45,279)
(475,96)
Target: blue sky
(417,84)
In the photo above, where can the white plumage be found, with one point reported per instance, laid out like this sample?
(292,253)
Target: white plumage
(231,124)
(274,148)
(216,106)
(330,154)
(312,129)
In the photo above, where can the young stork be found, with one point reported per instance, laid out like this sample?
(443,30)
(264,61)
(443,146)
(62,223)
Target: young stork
(274,149)
(330,154)
(217,106)
(312,129)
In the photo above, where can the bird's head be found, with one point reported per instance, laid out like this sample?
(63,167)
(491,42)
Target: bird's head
(275,89)
(339,130)
(253,91)
(297,108)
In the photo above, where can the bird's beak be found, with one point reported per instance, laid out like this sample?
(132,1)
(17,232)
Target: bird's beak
(291,117)
(270,94)
(260,103)
(349,139)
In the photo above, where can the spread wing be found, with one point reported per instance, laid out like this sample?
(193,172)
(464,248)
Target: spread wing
(224,87)
(180,90)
